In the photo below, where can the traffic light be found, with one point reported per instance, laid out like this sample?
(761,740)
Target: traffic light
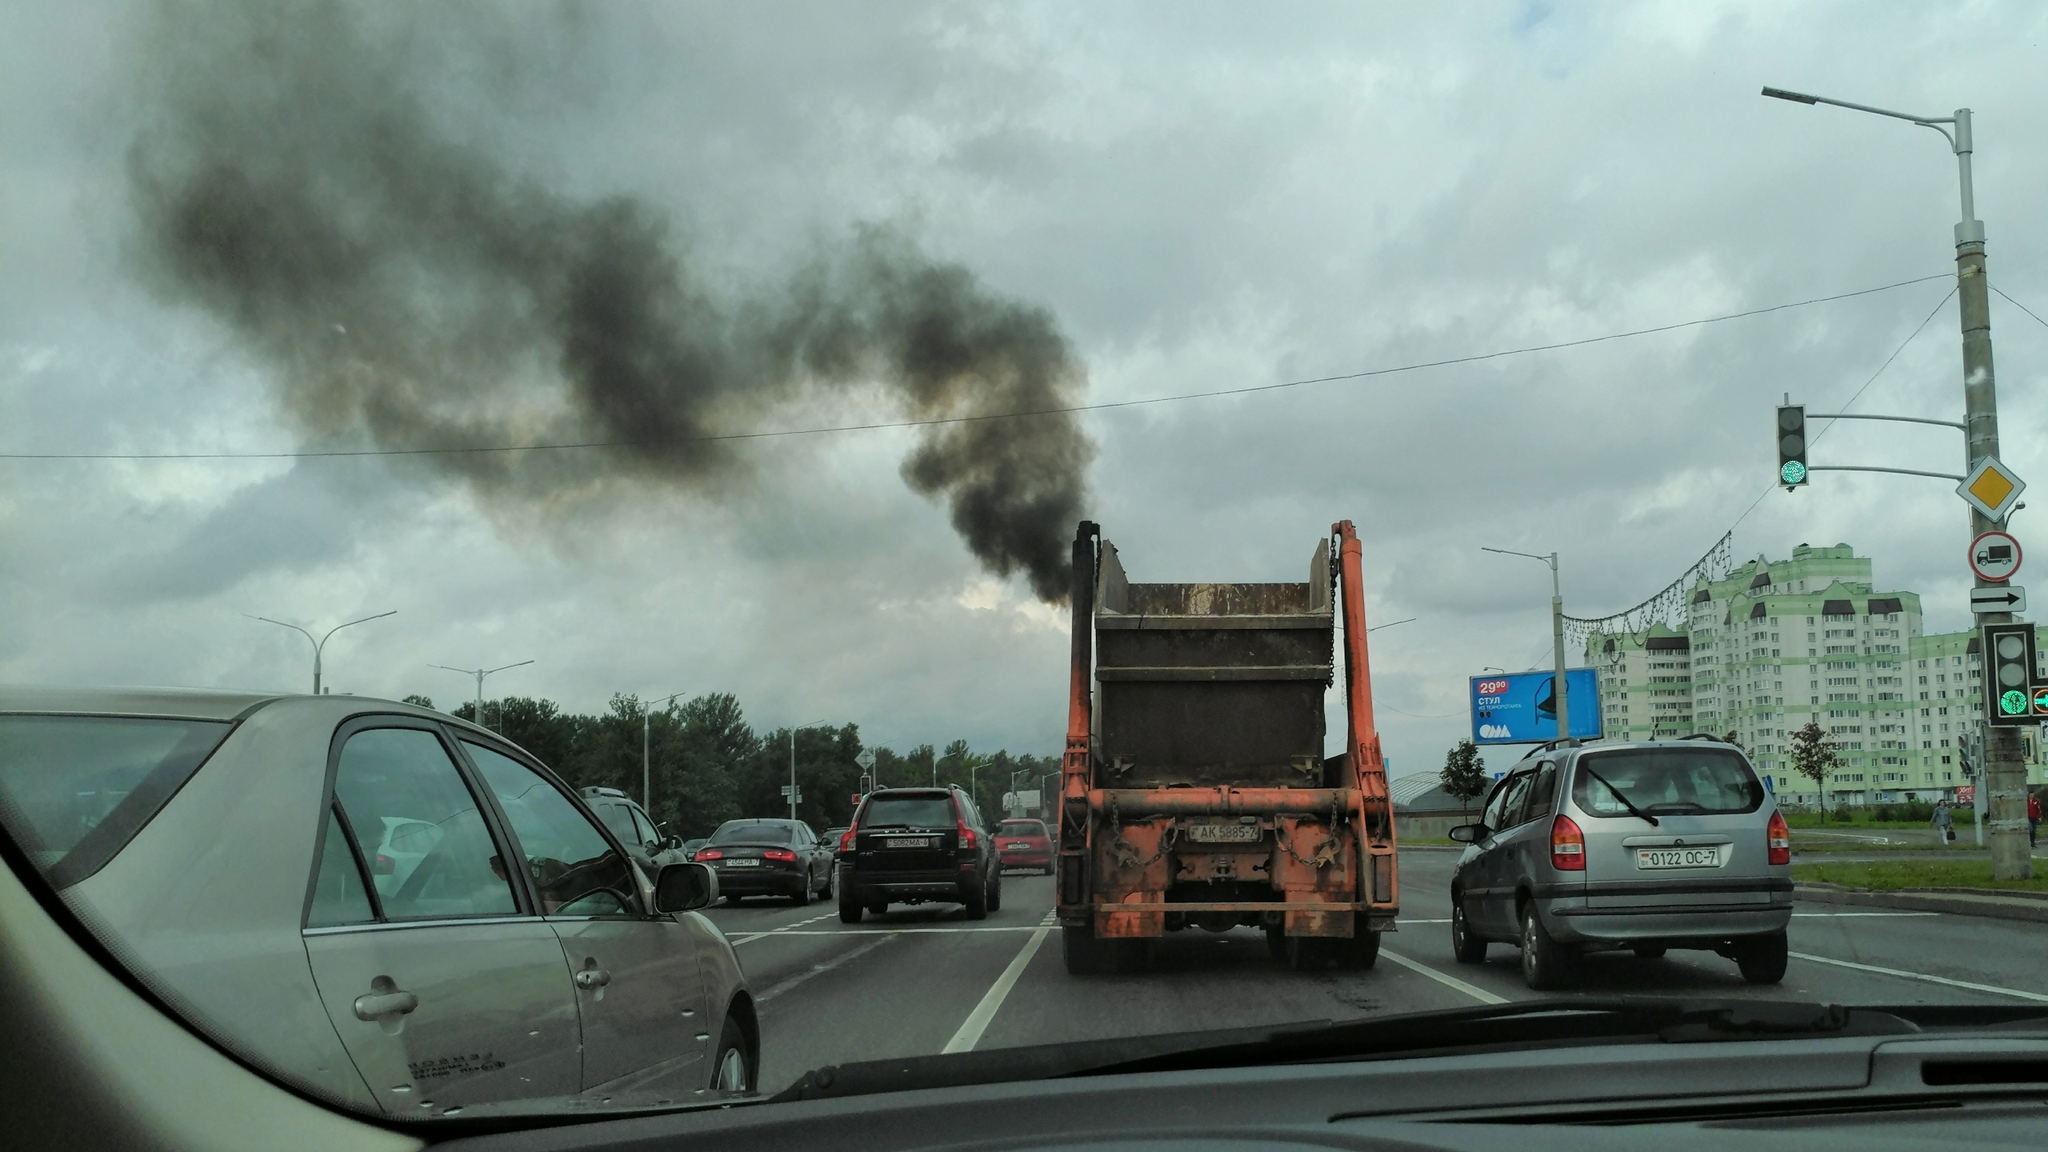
(1792,445)
(2009,674)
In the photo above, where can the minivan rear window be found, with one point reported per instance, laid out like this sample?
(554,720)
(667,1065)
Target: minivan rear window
(75,789)
(1689,781)
(929,811)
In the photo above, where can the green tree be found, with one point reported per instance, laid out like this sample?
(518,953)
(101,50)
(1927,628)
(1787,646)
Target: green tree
(1813,756)
(1464,773)
(418,701)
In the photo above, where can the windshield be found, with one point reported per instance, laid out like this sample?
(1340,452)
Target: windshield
(1679,780)
(752,834)
(928,811)
(558,559)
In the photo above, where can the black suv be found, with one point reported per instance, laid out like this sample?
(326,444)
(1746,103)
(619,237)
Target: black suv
(913,845)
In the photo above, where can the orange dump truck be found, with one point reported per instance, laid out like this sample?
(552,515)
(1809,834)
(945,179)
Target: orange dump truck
(1194,792)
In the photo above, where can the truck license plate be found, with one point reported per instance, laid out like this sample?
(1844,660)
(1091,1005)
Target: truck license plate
(1223,833)
(908,842)
(1708,857)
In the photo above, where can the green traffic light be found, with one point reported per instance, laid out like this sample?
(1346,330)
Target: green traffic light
(1793,472)
(2041,701)
(2013,703)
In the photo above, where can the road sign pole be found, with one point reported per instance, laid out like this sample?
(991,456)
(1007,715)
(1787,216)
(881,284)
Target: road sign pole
(2003,775)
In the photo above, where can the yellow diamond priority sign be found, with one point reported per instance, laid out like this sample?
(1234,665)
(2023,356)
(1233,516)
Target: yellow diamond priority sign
(1991,488)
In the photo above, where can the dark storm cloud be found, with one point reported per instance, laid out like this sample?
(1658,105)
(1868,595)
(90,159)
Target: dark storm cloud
(304,180)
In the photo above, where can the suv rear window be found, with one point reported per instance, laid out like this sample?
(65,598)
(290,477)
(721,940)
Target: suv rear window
(933,810)
(75,789)
(1022,828)
(751,834)
(1666,781)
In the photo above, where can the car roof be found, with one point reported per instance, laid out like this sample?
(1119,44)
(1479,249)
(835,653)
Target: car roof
(181,703)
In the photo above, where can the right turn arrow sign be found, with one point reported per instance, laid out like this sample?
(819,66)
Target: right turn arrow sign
(2003,598)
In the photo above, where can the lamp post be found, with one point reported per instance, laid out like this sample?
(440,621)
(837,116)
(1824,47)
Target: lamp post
(321,644)
(480,673)
(2003,773)
(646,786)
(1564,724)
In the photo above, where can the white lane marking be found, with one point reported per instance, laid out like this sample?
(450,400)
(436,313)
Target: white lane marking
(786,929)
(1992,988)
(1479,994)
(977,1021)
(818,969)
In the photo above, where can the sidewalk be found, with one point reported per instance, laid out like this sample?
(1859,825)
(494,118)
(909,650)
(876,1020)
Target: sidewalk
(1956,901)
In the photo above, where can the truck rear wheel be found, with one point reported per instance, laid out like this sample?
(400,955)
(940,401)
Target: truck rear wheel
(1085,955)
(1362,951)
(1310,953)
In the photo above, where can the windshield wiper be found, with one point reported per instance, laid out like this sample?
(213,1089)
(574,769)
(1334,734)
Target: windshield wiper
(1616,793)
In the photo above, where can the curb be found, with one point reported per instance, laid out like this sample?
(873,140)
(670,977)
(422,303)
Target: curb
(1993,906)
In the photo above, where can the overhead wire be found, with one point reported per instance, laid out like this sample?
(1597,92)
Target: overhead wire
(1071,409)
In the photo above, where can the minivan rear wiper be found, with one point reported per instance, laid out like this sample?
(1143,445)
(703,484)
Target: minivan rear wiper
(1616,793)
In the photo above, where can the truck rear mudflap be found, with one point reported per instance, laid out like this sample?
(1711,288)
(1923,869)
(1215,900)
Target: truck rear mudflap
(1305,861)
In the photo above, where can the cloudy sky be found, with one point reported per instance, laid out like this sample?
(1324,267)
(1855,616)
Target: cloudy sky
(1200,197)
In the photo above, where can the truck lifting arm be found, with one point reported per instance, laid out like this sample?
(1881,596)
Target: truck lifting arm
(1362,741)
(1075,778)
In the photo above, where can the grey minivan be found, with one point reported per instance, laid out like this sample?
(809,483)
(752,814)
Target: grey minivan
(1642,846)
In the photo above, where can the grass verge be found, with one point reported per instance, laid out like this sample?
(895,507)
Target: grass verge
(1922,873)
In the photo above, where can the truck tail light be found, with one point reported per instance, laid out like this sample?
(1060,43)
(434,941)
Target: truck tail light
(1779,838)
(782,854)
(967,838)
(710,854)
(1567,845)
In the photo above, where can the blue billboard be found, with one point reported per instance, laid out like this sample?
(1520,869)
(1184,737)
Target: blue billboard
(1521,707)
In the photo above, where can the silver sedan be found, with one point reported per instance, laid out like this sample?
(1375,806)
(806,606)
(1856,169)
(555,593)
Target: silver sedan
(381,904)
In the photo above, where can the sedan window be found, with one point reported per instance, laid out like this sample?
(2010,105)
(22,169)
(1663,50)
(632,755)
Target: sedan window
(75,789)
(388,781)
(339,894)
(576,870)
(751,833)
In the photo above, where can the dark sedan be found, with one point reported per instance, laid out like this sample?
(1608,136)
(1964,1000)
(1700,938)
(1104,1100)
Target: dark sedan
(769,858)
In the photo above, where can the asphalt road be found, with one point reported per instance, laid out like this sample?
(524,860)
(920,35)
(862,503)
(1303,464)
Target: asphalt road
(925,980)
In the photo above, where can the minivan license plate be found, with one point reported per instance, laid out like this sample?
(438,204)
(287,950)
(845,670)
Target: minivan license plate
(1222,833)
(1708,857)
(908,842)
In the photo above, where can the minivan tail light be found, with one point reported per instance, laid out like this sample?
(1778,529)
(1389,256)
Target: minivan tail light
(1567,845)
(1779,838)
(783,854)
(967,839)
(710,854)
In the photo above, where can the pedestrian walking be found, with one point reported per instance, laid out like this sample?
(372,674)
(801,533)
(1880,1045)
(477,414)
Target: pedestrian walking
(1944,822)
(2033,819)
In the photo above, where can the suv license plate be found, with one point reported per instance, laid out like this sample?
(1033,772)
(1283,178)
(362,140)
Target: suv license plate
(1709,857)
(908,842)
(1223,833)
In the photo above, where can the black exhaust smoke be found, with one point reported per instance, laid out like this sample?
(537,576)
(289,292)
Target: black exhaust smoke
(295,179)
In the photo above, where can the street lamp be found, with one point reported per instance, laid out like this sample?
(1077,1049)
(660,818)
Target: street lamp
(1564,724)
(646,789)
(480,673)
(2004,779)
(792,761)
(321,643)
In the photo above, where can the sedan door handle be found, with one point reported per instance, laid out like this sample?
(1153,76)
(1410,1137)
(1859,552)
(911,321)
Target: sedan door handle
(593,978)
(385,1003)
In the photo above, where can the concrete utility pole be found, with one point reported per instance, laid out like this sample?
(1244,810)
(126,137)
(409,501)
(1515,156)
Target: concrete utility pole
(2003,775)
(1564,722)
(480,673)
(320,645)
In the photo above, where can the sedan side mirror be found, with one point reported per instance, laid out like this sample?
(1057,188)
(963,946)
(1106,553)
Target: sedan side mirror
(672,843)
(1468,833)
(684,888)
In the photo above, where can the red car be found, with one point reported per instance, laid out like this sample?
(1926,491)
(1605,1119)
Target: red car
(1025,844)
